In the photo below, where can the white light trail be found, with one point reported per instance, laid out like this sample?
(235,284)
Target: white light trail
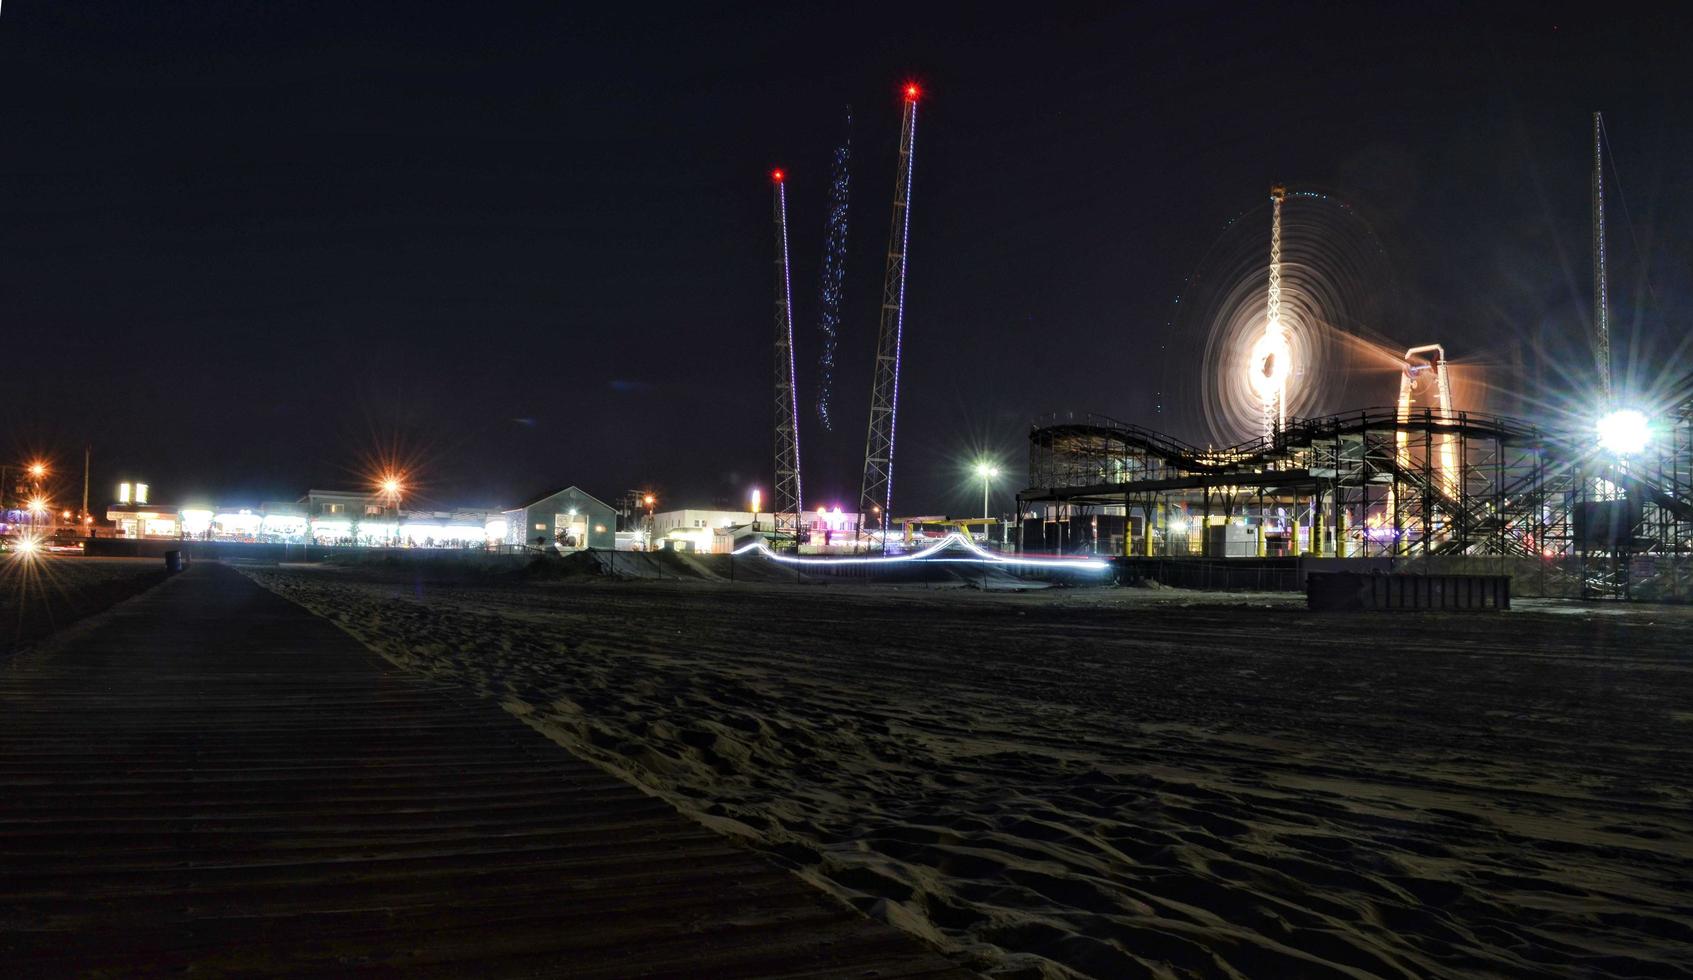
(1089,564)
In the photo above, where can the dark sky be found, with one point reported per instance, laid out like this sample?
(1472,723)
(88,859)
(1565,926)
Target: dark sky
(249,247)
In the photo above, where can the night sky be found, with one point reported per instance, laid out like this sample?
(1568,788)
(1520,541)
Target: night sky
(250,247)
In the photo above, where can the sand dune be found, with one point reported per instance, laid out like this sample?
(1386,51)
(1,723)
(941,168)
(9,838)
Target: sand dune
(1118,783)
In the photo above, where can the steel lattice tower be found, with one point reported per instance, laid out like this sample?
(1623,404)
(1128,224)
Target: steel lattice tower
(787,501)
(875,499)
(1601,305)
(1275,404)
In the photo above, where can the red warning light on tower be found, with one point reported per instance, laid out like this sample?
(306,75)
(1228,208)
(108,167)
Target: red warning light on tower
(778,175)
(911,91)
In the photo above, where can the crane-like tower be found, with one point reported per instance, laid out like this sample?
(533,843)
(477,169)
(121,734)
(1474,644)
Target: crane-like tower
(787,501)
(1601,305)
(875,498)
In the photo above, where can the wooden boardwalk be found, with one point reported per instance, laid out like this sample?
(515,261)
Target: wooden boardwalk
(213,781)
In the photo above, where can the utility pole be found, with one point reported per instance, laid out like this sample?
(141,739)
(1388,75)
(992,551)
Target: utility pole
(87,457)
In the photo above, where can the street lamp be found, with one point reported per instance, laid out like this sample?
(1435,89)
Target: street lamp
(987,471)
(393,485)
(1624,431)
(649,500)
(757,499)
(37,507)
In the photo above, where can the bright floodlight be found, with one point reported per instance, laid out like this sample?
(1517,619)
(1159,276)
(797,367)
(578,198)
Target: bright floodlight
(1270,361)
(985,470)
(1623,431)
(28,547)
(37,470)
(391,486)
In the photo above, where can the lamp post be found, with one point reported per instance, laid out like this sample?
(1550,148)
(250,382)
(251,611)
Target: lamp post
(987,471)
(649,500)
(37,472)
(757,499)
(392,487)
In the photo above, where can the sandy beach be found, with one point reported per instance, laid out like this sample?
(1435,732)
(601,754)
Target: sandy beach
(1121,782)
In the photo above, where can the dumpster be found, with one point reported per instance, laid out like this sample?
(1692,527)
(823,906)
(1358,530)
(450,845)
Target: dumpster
(173,561)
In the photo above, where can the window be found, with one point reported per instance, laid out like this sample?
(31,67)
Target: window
(372,510)
(540,527)
(334,508)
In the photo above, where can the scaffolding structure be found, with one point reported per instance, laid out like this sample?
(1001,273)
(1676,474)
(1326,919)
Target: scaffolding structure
(1419,487)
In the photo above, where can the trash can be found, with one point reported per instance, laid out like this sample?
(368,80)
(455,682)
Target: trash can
(173,561)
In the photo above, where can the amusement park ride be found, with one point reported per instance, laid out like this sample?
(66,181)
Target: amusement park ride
(876,492)
(1422,481)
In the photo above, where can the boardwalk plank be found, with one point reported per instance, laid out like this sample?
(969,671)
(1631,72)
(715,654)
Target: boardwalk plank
(214,781)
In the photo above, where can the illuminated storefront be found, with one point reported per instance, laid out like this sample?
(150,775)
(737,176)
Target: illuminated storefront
(145,521)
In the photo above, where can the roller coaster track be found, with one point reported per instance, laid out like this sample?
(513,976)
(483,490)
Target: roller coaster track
(1310,433)
(1299,433)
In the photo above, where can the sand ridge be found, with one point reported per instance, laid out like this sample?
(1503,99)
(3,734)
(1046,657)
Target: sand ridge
(1117,783)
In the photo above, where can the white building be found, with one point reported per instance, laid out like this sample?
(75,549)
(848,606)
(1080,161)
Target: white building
(698,528)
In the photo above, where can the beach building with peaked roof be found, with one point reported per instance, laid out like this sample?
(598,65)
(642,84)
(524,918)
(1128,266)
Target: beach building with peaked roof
(566,520)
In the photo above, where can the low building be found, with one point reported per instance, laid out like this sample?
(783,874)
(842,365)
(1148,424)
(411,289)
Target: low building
(338,518)
(349,517)
(459,528)
(698,528)
(145,520)
(565,520)
(830,531)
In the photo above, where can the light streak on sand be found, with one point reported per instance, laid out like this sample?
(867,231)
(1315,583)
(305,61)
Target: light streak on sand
(1089,564)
